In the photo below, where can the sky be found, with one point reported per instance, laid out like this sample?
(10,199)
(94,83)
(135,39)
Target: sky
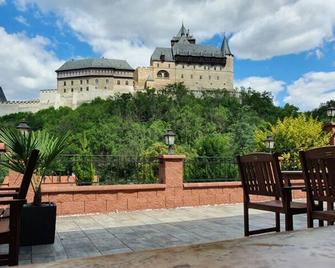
(286,47)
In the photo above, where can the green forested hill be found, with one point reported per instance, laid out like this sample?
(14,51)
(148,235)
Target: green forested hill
(216,124)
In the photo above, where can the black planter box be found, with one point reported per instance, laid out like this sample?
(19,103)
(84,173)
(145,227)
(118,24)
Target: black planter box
(38,224)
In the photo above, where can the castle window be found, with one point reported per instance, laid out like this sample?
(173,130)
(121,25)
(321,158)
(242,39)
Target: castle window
(209,77)
(217,78)
(71,83)
(107,81)
(193,66)
(64,83)
(118,82)
(105,87)
(81,89)
(96,81)
(86,88)
(200,76)
(127,83)
(169,65)
(157,64)
(183,66)
(214,68)
(81,82)
(191,76)
(87,81)
(71,89)
(182,76)
(64,90)
(163,74)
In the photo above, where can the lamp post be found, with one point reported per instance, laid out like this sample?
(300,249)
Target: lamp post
(169,138)
(269,143)
(23,127)
(331,113)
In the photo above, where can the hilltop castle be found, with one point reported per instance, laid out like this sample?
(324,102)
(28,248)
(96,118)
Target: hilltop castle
(199,67)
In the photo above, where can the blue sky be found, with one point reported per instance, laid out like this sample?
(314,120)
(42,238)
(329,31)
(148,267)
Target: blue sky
(284,46)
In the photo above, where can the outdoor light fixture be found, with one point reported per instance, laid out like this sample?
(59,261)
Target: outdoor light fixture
(169,138)
(331,113)
(23,127)
(269,143)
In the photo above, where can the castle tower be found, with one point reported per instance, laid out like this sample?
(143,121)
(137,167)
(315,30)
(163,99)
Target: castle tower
(229,57)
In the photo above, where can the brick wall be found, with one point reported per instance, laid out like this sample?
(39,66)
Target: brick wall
(170,193)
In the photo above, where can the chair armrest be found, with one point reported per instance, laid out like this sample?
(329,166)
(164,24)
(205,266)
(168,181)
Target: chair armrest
(9,189)
(294,187)
(7,194)
(13,202)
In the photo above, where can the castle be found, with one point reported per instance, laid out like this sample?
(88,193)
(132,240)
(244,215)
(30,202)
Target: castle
(199,67)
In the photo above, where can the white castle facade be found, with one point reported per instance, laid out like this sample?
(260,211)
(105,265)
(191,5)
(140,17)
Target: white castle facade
(199,67)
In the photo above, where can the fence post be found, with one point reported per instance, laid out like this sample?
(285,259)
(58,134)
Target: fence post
(171,170)
(330,128)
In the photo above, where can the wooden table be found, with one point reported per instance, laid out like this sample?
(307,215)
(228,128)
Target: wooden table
(306,248)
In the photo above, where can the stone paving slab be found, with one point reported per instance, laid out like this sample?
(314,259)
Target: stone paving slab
(103,234)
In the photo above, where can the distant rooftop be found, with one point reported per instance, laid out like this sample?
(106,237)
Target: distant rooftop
(95,63)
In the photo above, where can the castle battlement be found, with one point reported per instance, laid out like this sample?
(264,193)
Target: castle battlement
(21,102)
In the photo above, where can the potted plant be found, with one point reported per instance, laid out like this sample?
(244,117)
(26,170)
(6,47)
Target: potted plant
(38,218)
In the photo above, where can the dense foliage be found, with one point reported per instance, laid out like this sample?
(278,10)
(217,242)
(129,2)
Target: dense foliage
(213,124)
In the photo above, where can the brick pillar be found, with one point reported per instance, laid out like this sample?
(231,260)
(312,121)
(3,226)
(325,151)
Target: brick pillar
(171,173)
(171,170)
(330,128)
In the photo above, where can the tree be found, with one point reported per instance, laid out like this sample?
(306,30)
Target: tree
(291,135)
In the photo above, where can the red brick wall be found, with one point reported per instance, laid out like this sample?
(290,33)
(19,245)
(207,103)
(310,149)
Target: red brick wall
(170,193)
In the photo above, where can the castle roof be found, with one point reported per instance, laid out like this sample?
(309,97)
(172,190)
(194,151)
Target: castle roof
(225,47)
(2,95)
(95,63)
(167,52)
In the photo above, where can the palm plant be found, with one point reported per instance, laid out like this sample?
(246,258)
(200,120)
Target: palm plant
(19,147)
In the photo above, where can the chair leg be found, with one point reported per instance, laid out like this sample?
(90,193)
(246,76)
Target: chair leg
(277,222)
(288,222)
(246,220)
(309,220)
(14,248)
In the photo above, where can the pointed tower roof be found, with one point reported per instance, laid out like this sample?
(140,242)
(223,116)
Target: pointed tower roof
(225,47)
(182,31)
(2,96)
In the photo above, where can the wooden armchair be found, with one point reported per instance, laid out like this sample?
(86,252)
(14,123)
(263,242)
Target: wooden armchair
(319,174)
(261,176)
(10,226)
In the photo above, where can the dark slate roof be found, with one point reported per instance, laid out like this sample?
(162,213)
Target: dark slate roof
(225,47)
(95,63)
(162,51)
(2,95)
(185,49)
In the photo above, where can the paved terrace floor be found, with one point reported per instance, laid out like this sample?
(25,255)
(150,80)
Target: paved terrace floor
(104,234)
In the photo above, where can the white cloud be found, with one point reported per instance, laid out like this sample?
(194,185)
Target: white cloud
(312,89)
(22,20)
(261,30)
(2,2)
(26,65)
(262,84)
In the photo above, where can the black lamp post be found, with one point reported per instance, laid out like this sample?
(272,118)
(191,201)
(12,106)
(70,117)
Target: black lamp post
(23,127)
(331,113)
(269,143)
(169,138)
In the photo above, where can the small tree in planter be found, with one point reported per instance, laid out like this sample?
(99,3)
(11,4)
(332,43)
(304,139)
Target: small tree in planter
(19,147)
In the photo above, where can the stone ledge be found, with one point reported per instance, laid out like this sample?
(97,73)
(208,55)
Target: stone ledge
(222,184)
(101,188)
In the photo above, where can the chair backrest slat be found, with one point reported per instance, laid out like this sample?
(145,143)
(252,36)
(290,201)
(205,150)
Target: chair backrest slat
(28,174)
(260,174)
(319,173)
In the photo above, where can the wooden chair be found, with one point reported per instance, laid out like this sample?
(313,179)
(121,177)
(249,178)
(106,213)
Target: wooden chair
(319,174)
(261,176)
(10,226)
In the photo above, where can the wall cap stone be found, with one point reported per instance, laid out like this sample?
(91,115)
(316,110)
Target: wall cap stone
(46,189)
(172,156)
(228,184)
